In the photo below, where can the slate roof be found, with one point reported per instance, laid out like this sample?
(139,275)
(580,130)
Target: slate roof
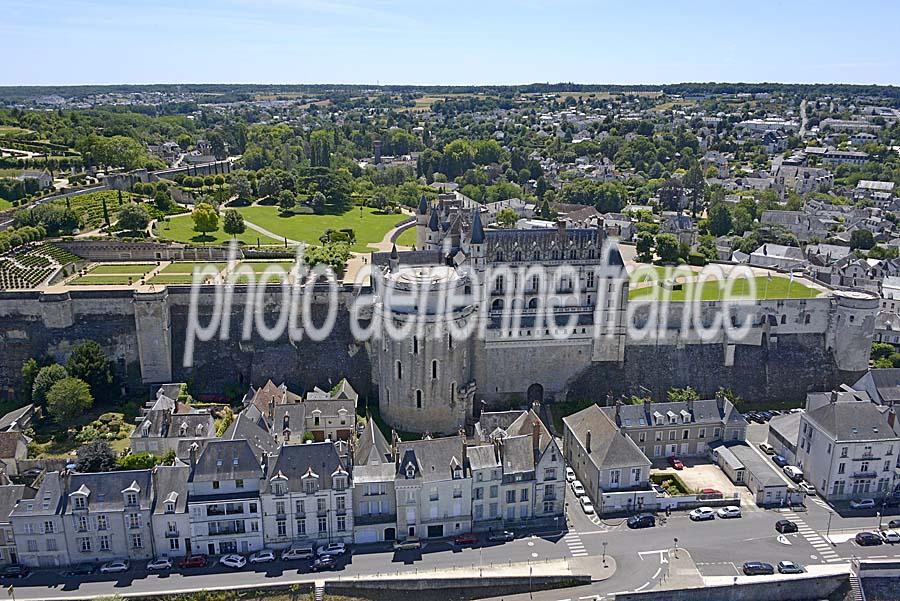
(431,458)
(251,426)
(105,489)
(226,460)
(170,482)
(517,454)
(887,382)
(851,421)
(705,411)
(371,447)
(483,457)
(787,426)
(609,447)
(14,416)
(50,490)
(10,495)
(296,460)
(762,470)
(9,441)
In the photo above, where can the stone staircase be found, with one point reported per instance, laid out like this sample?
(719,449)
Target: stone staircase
(320,590)
(856,589)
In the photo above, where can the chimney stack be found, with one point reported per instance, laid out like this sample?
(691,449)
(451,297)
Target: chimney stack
(892,417)
(834,396)
(618,413)
(720,401)
(536,435)
(587,441)
(193,451)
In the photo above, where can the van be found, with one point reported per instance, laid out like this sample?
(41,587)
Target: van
(297,553)
(794,473)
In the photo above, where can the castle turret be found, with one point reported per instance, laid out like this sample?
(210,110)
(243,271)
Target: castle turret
(433,233)
(851,328)
(476,240)
(421,223)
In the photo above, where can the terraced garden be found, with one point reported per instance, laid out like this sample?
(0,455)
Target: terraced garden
(114,275)
(181,229)
(182,272)
(776,288)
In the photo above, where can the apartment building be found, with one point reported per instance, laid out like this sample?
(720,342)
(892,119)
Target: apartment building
(374,496)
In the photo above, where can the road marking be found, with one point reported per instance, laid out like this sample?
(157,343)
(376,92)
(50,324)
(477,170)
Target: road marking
(575,544)
(656,574)
(825,549)
(642,587)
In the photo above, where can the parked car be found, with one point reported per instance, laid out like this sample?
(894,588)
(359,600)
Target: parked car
(81,569)
(766,448)
(233,561)
(676,463)
(758,568)
(894,524)
(297,553)
(586,505)
(862,503)
(793,472)
(731,511)
(646,520)
(264,556)
(194,561)
(779,460)
(325,562)
(798,410)
(159,565)
(578,488)
(892,537)
(711,491)
(570,475)
(785,526)
(332,549)
(702,513)
(790,567)
(501,536)
(14,571)
(808,488)
(867,539)
(407,544)
(117,566)
(466,539)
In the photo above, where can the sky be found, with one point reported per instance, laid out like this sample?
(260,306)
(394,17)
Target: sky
(458,42)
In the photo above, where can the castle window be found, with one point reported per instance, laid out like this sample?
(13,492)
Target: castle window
(537,255)
(499,255)
(434,365)
(806,318)
(555,254)
(591,254)
(573,254)
(498,283)
(518,255)
(497,305)
(590,279)
(450,342)
(399,370)
(783,319)
(415,345)
(418,399)
(453,392)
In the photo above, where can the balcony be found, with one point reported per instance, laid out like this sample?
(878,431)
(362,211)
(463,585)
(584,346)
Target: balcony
(868,474)
(375,518)
(226,531)
(172,534)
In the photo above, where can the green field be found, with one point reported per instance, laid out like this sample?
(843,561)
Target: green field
(777,287)
(368,225)
(105,280)
(187,267)
(181,229)
(4,204)
(175,278)
(138,269)
(407,237)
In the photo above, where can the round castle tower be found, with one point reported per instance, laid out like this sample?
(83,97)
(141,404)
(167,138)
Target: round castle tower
(421,223)
(424,377)
(851,328)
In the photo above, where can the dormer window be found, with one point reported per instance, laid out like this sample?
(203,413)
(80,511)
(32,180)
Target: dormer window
(170,507)
(457,473)
(145,429)
(80,503)
(130,498)
(410,471)
(340,483)
(182,431)
(198,432)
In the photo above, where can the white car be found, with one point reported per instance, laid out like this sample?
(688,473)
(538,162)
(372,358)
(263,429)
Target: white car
(586,505)
(297,553)
(862,503)
(158,565)
(808,489)
(264,556)
(233,560)
(702,513)
(114,567)
(332,549)
(793,472)
(731,511)
(570,475)
(578,488)
(891,536)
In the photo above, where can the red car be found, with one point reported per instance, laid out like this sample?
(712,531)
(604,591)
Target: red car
(466,539)
(676,463)
(194,561)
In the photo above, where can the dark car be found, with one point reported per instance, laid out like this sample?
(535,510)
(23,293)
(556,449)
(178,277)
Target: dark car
(82,569)
(867,539)
(642,521)
(785,526)
(325,562)
(194,561)
(790,567)
(14,570)
(501,536)
(894,524)
(758,568)
(466,539)
(779,460)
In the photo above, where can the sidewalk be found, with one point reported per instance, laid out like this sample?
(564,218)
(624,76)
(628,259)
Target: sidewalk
(680,572)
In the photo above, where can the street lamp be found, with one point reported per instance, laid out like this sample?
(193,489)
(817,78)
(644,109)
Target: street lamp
(676,547)
(828,531)
(604,553)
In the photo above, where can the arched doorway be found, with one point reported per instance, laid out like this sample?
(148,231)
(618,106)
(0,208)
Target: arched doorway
(535,394)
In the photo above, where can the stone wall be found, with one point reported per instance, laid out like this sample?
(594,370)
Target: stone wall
(810,588)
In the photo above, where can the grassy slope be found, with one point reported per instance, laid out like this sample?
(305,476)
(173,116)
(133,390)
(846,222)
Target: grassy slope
(181,229)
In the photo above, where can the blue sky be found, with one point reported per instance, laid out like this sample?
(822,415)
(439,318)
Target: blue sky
(447,42)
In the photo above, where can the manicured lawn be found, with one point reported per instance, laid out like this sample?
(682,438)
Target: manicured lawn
(4,204)
(278,274)
(105,280)
(259,267)
(128,269)
(175,278)
(369,226)
(777,287)
(187,267)
(181,229)
(407,237)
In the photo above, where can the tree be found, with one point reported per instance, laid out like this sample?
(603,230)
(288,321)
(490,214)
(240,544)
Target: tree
(719,219)
(233,223)
(507,217)
(644,247)
(380,200)
(96,456)
(44,381)
(318,202)
(30,369)
(205,218)
(540,187)
(240,187)
(69,398)
(683,395)
(667,248)
(696,186)
(106,210)
(861,239)
(162,199)
(133,217)
(320,145)
(88,362)
(286,200)
(269,185)
(139,461)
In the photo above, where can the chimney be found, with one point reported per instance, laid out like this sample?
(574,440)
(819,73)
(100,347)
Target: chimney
(536,436)
(690,405)
(720,401)
(561,228)
(272,410)
(462,439)
(618,413)
(394,439)
(193,450)
(892,417)
(834,396)
(647,402)
(536,407)
(587,441)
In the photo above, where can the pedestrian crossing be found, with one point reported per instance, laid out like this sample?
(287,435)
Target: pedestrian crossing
(823,547)
(576,546)
(819,502)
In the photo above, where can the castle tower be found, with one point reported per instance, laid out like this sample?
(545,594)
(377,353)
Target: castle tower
(421,223)
(433,232)
(425,383)
(851,328)
(476,241)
